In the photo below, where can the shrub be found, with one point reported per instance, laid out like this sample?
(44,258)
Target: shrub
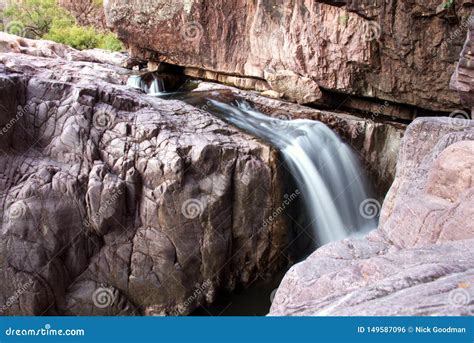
(83,37)
(37,16)
(78,37)
(46,19)
(109,41)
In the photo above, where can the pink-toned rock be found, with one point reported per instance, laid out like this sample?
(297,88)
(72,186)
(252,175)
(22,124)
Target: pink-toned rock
(373,49)
(420,259)
(463,78)
(416,193)
(50,49)
(114,202)
(453,172)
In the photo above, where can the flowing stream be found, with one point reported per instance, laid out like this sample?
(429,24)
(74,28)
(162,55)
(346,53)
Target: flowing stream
(325,170)
(154,86)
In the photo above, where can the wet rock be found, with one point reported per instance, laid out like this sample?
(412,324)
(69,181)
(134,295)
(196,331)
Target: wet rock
(377,141)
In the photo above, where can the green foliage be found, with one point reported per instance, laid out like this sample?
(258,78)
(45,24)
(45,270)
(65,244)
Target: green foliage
(83,37)
(78,37)
(37,16)
(344,19)
(47,20)
(109,41)
(448,4)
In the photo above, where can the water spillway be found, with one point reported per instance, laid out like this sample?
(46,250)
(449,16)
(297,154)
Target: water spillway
(151,85)
(324,168)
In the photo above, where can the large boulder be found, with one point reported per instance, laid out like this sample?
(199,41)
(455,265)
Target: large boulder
(115,202)
(420,261)
(403,52)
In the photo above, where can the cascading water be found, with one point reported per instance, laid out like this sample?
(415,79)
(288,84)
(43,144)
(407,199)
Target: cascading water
(325,169)
(154,87)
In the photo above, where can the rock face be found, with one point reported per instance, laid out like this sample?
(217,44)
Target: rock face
(44,48)
(114,202)
(420,261)
(372,49)
(463,78)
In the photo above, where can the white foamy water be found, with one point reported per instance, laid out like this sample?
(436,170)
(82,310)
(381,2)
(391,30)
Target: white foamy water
(154,87)
(326,170)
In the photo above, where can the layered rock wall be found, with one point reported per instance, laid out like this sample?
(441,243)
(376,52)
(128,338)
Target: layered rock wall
(400,51)
(462,80)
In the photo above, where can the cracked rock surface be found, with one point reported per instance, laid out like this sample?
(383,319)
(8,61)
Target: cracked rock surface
(388,50)
(113,202)
(420,260)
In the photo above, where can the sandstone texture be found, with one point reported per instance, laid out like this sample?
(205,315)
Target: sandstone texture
(463,79)
(49,49)
(420,260)
(403,52)
(114,202)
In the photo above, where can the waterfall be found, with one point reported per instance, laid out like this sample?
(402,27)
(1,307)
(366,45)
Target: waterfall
(325,169)
(136,81)
(155,86)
